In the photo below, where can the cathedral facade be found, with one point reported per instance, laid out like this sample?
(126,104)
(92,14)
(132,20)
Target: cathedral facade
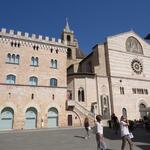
(113,78)
(46,83)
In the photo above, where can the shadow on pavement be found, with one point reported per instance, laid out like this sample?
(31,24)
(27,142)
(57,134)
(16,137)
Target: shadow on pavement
(140,135)
(110,134)
(82,137)
(144,147)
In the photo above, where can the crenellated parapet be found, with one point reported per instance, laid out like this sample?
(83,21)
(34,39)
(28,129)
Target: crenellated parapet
(36,41)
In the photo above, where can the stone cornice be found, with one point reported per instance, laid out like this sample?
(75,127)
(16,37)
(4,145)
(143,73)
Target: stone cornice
(26,40)
(31,86)
(127,78)
(133,54)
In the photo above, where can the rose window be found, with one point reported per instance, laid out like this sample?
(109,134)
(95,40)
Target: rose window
(137,66)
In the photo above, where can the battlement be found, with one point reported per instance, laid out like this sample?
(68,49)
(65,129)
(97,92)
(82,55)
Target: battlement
(33,37)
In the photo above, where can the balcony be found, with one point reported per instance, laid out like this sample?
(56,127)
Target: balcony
(70,103)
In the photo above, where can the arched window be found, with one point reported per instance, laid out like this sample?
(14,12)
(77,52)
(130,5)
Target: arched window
(8,58)
(69,53)
(53,82)
(13,58)
(141,108)
(81,95)
(133,45)
(34,61)
(33,81)
(68,38)
(11,79)
(124,112)
(53,63)
(17,59)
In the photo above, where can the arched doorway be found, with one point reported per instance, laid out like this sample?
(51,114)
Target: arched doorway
(6,118)
(31,118)
(52,117)
(142,107)
(69,53)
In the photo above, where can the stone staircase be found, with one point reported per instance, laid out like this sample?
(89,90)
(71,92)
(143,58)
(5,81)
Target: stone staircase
(86,113)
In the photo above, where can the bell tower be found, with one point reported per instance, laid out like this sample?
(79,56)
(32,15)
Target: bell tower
(68,37)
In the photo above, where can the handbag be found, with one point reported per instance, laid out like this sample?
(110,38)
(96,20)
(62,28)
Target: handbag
(131,135)
(89,127)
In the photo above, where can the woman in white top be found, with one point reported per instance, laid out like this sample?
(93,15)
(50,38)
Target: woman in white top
(125,133)
(99,134)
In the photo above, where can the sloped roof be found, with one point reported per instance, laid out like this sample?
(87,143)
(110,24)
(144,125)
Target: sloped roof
(132,31)
(86,57)
(123,33)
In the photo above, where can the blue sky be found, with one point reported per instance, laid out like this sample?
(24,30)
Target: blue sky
(91,20)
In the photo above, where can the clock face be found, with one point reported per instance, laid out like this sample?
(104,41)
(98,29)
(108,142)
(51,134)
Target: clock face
(133,45)
(137,66)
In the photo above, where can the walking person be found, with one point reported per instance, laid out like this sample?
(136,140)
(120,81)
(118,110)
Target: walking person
(101,145)
(115,123)
(125,133)
(87,127)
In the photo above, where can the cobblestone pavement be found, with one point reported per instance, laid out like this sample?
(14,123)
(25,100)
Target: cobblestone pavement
(67,139)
